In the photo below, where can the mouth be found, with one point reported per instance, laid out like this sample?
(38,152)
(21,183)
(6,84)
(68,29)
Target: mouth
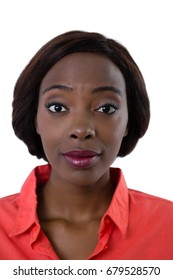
(81,158)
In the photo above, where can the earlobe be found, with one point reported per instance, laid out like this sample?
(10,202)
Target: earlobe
(36,126)
(37,130)
(126,132)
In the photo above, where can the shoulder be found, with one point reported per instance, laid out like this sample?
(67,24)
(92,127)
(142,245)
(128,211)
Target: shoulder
(148,197)
(19,203)
(150,204)
(8,203)
(9,199)
(8,210)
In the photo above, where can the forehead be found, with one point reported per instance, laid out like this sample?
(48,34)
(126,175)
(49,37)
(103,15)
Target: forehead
(86,69)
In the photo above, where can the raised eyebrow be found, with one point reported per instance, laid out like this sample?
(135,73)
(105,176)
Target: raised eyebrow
(107,88)
(95,90)
(62,87)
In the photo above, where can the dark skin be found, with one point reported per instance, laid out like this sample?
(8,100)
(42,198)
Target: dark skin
(82,106)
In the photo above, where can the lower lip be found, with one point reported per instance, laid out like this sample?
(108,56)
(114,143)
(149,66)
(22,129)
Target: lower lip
(81,162)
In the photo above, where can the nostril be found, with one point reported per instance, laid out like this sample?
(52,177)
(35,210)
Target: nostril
(88,136)
(81,136)
(74,136)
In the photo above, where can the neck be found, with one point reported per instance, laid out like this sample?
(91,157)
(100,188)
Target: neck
(74,203)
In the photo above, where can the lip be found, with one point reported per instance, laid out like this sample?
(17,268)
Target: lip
(81,158)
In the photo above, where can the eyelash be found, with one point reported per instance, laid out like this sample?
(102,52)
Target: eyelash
(109,105)
(56,105)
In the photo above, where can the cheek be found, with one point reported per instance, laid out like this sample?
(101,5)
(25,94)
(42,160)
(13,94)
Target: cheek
(115,129)
(112,136)
(44,128)
(49,135)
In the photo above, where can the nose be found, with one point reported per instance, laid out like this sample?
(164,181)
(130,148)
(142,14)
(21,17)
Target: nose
(82,134)
(82,130)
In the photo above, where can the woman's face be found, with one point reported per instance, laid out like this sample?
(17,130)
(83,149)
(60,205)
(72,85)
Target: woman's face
(82,117)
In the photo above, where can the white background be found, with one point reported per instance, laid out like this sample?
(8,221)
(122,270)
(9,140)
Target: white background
(144,27)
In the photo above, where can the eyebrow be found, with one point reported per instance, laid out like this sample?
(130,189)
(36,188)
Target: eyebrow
(106,88)
(64,87)
(95,90)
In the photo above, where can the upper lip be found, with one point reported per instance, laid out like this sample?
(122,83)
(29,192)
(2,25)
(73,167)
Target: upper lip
(81,153)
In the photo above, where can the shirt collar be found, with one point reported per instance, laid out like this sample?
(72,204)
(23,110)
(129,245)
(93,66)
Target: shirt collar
(26,216)
(27,200)
(118,210)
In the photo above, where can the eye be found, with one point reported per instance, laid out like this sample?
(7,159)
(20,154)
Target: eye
(56,107)
(108,109)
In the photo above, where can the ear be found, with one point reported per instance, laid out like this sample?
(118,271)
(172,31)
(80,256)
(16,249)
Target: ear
(126,132)
(36,126)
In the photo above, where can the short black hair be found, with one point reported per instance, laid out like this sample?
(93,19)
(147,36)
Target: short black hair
(26,91)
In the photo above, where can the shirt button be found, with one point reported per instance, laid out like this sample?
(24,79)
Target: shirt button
(107,221)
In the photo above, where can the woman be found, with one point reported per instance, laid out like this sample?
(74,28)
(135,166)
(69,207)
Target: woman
(80,103)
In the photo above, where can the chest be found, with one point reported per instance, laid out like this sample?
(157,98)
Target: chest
(72,241)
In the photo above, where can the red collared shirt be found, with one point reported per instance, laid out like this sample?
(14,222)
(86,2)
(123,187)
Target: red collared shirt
(135,226)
